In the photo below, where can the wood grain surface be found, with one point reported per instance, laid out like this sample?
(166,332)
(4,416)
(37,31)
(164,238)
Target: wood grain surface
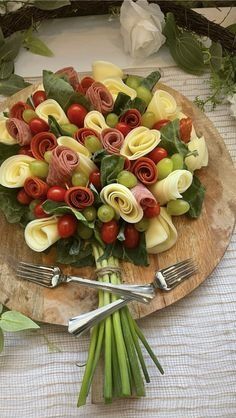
(204,239)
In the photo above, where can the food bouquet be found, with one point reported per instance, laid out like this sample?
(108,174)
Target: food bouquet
(96,167)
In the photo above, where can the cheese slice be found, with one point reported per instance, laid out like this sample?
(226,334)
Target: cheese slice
(95,120)
(139,142)
(105,69)
(201,160)
(172,186)
(116,86)
(71,143)
(15,170)
(161,234)
(5,137)
(40,234)
(163,105)
(86,166)
(52,108)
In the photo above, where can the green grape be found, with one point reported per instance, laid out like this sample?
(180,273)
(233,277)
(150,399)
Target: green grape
(70,128)
(164,168)
(112,119)
(148,119)
(127,179)
(105,213)
(84,231)
(28,115)
(47,156)
(144,94)
(79,179)
(178,161)
(90,213)
(142,225)
(133,81)
(177,207)
(92,143)
(39,169)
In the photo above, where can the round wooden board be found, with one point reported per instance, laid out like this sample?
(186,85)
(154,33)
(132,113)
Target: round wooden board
(204,239)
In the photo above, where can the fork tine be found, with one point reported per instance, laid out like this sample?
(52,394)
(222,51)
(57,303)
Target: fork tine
(37,276)
(33,280)
(181,276)
(179,269)
(36,266)
(176,266)
(35,271)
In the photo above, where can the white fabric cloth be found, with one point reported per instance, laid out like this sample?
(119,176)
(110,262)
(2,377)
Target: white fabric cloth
(194,340)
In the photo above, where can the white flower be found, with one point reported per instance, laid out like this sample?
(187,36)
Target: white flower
(232,100)
(11,6)
(141,27)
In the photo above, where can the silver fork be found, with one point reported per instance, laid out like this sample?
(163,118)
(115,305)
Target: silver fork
(51,277)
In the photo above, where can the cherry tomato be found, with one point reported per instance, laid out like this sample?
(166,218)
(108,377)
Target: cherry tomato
(123,128)
(152,211)
(185,128)
(25,151)
(39,97)
(76,114)
(38,125)
(109,232)
(67,226)
(56,193)
(86,82)
(157,154)
(131,236)
(95,179)
(158,125)
(39,212)
(23,197)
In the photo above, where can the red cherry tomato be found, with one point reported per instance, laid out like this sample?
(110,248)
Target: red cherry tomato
(38,125)
(152,211)
(39,97)
(109,232)
(39,212)
(131,236)
(23,197)
(56,193)
(76,114)
(158,125)
(157,154)
(123,128)
(86,82)
(25,151)
(95,179)
(67,226)
(185,128)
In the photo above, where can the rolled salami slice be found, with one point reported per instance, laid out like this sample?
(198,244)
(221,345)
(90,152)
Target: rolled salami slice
(82,134)
(132,118)
(100,97)
(42,142)
(145,170)
(112,140)
(19,130)
(17,110)
(86,82)
(36,187)
(62,164)
(79,197)
(71,75)
(143,196)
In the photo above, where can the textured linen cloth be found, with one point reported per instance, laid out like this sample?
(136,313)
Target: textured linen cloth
(194,339)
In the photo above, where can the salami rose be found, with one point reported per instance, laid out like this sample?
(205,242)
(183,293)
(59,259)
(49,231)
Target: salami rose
(62,164)
(132,118)
(71,75)
(79,197)
(145,170)
(112,140)
(86,82)
(19,130)
(17,110)
(35,187)
(143,196)
(82,134)
(100,97)
(42,142)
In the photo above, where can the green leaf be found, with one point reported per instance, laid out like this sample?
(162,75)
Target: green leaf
(15,321)
(111,166)
(12,85)
(1,340)
(9,205)
(170,139)
(195,196)
(51,5)
(6,69)
(150,81)
(60,90)
(10,49)
(37,46)
(74,251)
(232,28)
(55,128)
(123,102)
(170,29)
(216,56)
(7,151)
(58,208)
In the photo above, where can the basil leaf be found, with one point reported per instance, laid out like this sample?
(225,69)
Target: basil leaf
(138,104)
(1,340)
(51,5)
(59,208)
(7,151)
(55,128)
(10,206)
(170,139)
(37,46)
(99,155)
(123,102)
(111,166)
(216,56)
(195,196)
(75,252)
(12,85)
(150,81)
(15,321)
(60,90)
(9,50)
(6,69)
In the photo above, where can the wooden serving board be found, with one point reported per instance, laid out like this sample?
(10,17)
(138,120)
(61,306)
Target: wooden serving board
(204,239)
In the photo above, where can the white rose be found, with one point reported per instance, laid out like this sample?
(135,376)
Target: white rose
(141,27)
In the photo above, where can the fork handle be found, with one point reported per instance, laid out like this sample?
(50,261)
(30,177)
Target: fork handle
(141,293)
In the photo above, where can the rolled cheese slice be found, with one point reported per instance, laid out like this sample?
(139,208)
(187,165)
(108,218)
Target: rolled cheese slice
(139,142)
(71,143)
(51,107)
(163,105)
(200,160)
(105,69)
(161,234)
(40,234)
(5,137)
(86,166)
(123,202)
(116,86)
(95,120)
(15,170)
(172,186)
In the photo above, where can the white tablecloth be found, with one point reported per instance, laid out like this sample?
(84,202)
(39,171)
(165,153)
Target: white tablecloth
(194,340)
